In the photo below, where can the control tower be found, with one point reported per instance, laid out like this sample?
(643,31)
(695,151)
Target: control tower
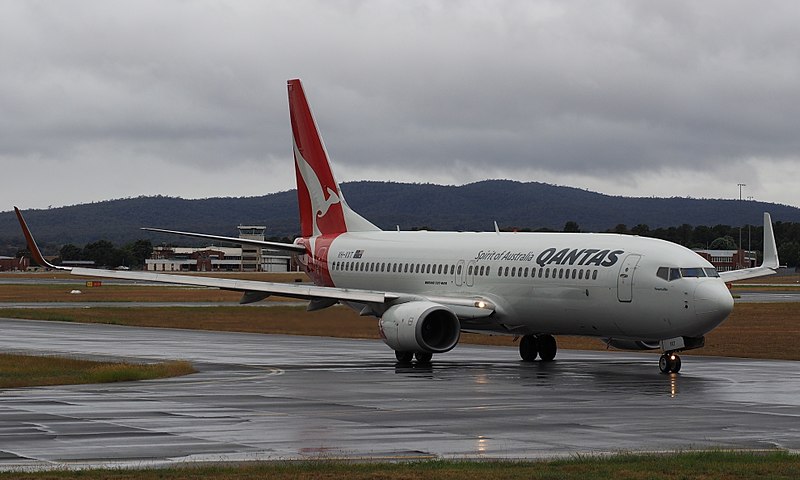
(251,256)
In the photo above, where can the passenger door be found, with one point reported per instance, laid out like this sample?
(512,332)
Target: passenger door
(459,278)
(625,278)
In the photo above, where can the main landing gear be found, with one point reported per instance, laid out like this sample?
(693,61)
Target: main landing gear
(543,346)
(407,357)
(669,362)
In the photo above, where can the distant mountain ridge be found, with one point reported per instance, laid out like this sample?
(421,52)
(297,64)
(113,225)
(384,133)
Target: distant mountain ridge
(471,207)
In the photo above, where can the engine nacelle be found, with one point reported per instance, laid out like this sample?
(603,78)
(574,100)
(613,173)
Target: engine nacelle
(420,326)
(632,344)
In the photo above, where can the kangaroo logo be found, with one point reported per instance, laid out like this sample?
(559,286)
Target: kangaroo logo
(332,199)
(320,202)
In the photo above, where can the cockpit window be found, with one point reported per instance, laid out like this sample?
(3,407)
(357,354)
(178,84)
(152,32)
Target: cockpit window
(674,274)
(711,272)
(671,274)
(692,272)
(663,272)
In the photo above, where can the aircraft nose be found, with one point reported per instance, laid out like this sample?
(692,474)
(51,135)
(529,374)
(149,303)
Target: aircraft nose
(712,303)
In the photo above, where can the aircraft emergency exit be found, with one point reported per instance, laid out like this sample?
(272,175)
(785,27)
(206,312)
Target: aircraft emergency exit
(425,288)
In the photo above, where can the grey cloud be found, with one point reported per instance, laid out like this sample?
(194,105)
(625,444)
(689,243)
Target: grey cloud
(576,87)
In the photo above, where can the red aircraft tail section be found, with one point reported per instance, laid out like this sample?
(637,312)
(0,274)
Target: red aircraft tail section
(323,210)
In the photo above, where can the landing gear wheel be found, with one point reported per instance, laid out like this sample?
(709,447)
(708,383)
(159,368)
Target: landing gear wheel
(663,364)
(423,357)
(669,363)
(528,348)
(547,347)
(676,364)
(403,357)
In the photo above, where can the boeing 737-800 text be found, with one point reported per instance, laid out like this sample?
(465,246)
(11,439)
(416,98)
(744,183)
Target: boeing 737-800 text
(426,288)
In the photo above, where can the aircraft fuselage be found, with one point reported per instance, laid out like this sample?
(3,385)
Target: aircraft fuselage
(604,285)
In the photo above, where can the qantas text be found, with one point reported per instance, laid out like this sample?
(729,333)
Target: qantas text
(554,256)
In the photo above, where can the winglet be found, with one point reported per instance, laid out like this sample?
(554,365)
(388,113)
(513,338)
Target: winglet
(770,249)
(32,247)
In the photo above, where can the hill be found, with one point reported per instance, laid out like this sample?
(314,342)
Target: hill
(468,207)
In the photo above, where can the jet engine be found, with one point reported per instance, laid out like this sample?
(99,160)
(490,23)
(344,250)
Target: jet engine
(632,344)
(420,326)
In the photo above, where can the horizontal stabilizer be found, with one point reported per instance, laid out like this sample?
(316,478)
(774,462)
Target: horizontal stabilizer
(241,241)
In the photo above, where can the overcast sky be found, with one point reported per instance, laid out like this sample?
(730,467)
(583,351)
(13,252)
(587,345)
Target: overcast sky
(105,99)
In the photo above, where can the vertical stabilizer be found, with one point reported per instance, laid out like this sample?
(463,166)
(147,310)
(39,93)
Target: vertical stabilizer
(323,209)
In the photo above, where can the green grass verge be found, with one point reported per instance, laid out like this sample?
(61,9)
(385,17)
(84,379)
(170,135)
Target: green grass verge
(29,371)
(700,465)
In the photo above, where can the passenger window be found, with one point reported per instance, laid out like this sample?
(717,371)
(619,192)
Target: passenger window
(526,272)
(546,273)
(540,272)
(574,272)
(560,273)
(580,274)
(513,271)
(663,273)
(469,270)
(481,271)
(505,274)
(594,274)
(533,272)
(440,269)
(458,272)
(488,268)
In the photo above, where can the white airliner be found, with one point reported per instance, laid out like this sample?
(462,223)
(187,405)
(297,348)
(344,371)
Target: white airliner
(427,287)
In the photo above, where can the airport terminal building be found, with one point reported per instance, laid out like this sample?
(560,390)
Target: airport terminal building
(727,260)
(221,259)
(11,264)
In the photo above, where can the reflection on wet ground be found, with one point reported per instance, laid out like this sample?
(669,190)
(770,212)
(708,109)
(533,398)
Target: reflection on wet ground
(280,397)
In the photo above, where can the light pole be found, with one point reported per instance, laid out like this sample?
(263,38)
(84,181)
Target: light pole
(740,227)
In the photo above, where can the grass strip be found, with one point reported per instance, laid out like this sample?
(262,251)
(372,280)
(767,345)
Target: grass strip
(30,370)
(690,465)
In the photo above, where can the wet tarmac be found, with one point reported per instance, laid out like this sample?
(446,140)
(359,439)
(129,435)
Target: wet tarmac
(261,397)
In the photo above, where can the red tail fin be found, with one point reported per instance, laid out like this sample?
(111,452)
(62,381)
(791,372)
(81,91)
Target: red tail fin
(323,209)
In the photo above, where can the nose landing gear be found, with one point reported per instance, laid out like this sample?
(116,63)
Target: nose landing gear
(543,346)
(669,362)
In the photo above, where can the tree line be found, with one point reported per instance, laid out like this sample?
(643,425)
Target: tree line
(719,237)
(104,254)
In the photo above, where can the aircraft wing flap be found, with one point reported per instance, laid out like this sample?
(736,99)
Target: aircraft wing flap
(283,289)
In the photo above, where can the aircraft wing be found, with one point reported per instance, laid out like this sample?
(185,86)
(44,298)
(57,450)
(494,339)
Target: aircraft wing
(768,266)
(242,241)
(302,291)
(376,302)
